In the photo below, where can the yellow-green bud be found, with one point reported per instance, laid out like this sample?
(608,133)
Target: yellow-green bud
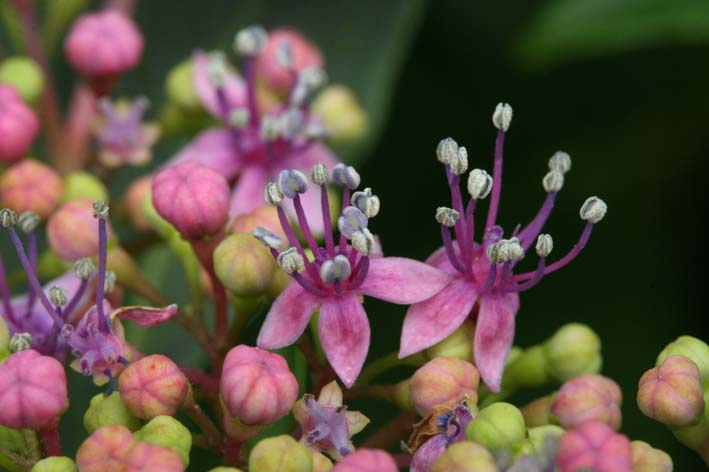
(104,410)
(459,344)
(321,463)
(24,75)
(83,184)
(692,348)
(280,454)
(180,86)
(530,368)
(648,459)
(4,336)
(244,265)
(55,464)
(342,115)
(573,350)
(167,431)
(538,412)
(278,283)
(465,456)
(534,444)
(498,426)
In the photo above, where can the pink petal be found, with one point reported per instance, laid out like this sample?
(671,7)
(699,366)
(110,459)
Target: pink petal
(146,316)
(315,153)
(214,148)
(234,87)
(428,453)
(403,281)
(248,191)
(344,333)
(433,320)
(288,317)
(494,332)
(312,208)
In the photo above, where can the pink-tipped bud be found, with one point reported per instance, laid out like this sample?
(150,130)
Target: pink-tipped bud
(586,398)
(30,186)
(32,390)
(134,201)
(153,386)
(103,45)
(19,125)
(146,457)
(444,381)
(257,386)
(671,393)
(72,231)
(265,217)
(648,459)
(367,460)
(193,197)
(286,42)
(594,446)
(105,449)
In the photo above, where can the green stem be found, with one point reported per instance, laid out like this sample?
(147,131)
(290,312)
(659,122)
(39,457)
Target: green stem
(387,362)
(32,442)
(14,462)
(214,437)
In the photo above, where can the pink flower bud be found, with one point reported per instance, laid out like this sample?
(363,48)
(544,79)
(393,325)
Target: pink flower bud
(304,54)
(146,457)
(193,197)
(648,459)
(30,186)
(19,125)
(105,449)
(134,201)
(103,45)
(32,390)
(594,445)
(72,231)
(671,393)
(153,386)
(444,381)
(367,460)
(266,217)
(257,386)
(586,398)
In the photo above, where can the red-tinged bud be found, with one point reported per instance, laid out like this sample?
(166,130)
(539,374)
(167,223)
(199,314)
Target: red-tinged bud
(286,45)
(18,125)
(594,446)
(134,201)
(444,381)
(256,385)
(586,398)
(648,459)
(72,230)
(538,412)
(671,393)
(30,186)
(153,386)
(465,456)
(265,217)
(244,265)
(105,449)
(146,457)
(367,460)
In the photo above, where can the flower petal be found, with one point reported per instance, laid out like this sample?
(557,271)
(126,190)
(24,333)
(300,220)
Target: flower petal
(433,320)
(303,160)
(331,395)
(145,316)
(213,148)
(344,333)
(428,453)
(356,421)
(288,317)
(494,332)
(234,88)
(401,280)
(248,191)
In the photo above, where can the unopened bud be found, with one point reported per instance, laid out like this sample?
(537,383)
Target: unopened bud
(100,210)
(55,464)
(458,344)
(444,381)
(560,161)
(291,261)
(84,268)
(587,398)
(447,150)
(28,222)
(363,241)
(447,216)
(270,455)
(465,456)
(459,163)
(292,182)
(153,386)
(110,409)
(243,264)
(367,460)
(58,296)
(593,210)
(544,245)
(319,174)
(167,431)
(250,41)
(573,350)
(8,218)
(693,349)
(272,194)
(347,176)
(553,181)
(267,238)
(648,459)
(239,117)
(498,426)
(335,269)
(502,116)
(479,184)
(20,342)
(367,202)
(594,446)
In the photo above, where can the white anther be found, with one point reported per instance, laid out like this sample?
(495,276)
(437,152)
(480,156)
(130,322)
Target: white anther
(447,216)
(593,210)
(284,54)
(553,181)
(560,161)
(270,128)
(100,210)
(319,174)
(58,295)
(267,238)
(544,245)
(479,184)
(250,41)
(447,150)
(363,241)
(239,117)
(459,163)
(290,261)
(110,282)
(502,116)
(20,342)
(516,252)
(216,69)
(367,202)
(272,194)
(28,221)
(336,269)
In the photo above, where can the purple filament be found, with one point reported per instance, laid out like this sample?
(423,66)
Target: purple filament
(104,324)
(5,294)
(304,226)
(327,221)
(450,251)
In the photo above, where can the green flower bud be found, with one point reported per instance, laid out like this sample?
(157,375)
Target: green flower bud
(179,87)
(280,454)
(109,410)
(534,444)
(11,439)
(648,459)
(342,115)
(83,184)
(573,350)
(538,412)
(24,75)
(4,336)
(692,348)
(459,344)
(55,464)
(167,431)
(465,456)
(278,283)
(244,265)
(530,368)
(498,426)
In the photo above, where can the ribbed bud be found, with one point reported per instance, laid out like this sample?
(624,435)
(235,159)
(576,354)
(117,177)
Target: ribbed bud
(447,216)
(319,174)
(104,410)
(593,210)
(338,268)
(20,342)
(545,244)
(363,241)
(553,181)
(243,265)
(100,210)
(648,459)
(290,261)
(272,195)
(55,464)
(367,202)
(250,41)
(573,350)
(587,398)
(560,161)
(459,163)
(239,117)
(8,218)
(594,446)
(84,268)
(498,426)
(367,460)
(447,150)
(502,117)
(465,456)
(444,381)
(28,222)
(292,182)
(347,176)
(479,184)
(280,454)
(168,432)
(693,349)
(268,238)
(58,296)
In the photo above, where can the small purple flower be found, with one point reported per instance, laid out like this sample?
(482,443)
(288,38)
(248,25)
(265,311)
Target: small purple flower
(483,285)
(337,275)
(450,429)
(122,137)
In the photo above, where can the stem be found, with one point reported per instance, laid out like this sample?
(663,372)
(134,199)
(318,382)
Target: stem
(77,130)
(32,442)
(23,463)
(214,437)
(50,437)
(232,451)
(387,362)
(377,392)
(204,251)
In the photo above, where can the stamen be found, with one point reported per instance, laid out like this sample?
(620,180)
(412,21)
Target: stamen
(58,296)
(450,251)
(447,216)
(292,182)
(479,184)
(351,221)
(319,174)
(270,128)
(459,163)
(28,222)
(304,226)
(272,194)
(560,161)
(291,123)
(367,202)
(535,226)
(291,261)
(447,150)
(501,119)
(111,383)
(593,210)
(267,238)
(110,283)
(363,242)
(101,213)
(360,273)
(545,244)
(239,117)
(553,181)
(346,176)
(20,342)
(250,41)
(336,269)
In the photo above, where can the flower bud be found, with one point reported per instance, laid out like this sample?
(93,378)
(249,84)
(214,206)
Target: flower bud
(588,397)
(596,447)
(19,125)
(136,197)
(180,89)
(265,217)
(257,386)
(671,393)
(4,337)
(459,344)
(104,410)
(528,369)
(341,113)
(27,403)
(539,437)
(103,45)
(105,449)
(83,185)
(498,426)
(153,386)
(30,186)
(244,265)
(55,464)
(593,210)
(301,55)
(693,349)
(479,184)
(167,431)
(465,456)
(444,381)
(648,459)
(280,454)
(12,440)
(193,197)
(321,463)
(560,161)
(72,231)
(538,412)
(24,75)
(502,117)
(20,342)
(573,350)
(367,460)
